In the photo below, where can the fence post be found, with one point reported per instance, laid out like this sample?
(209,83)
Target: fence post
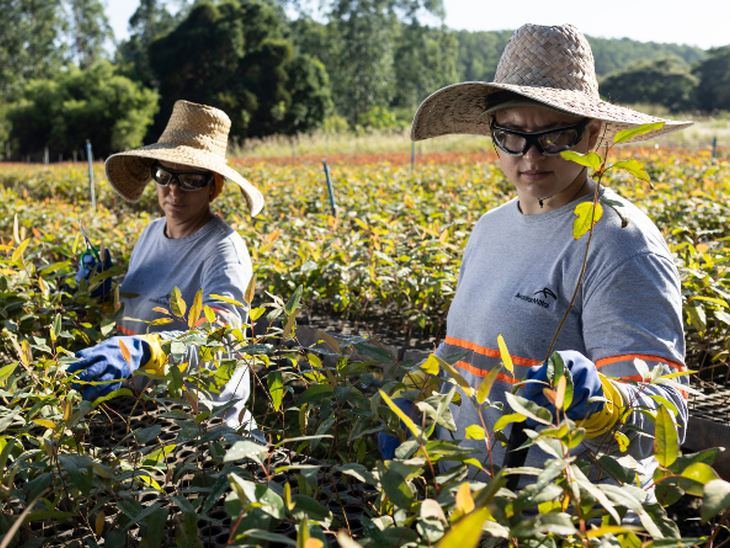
(91,175)
(413,156)
(330,190)
(714,147)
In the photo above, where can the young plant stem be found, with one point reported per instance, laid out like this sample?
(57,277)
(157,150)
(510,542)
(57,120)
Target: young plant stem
(585,259)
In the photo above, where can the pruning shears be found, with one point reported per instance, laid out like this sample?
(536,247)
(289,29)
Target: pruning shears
(91,250)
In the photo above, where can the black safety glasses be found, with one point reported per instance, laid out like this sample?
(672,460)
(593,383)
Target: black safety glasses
(549,142)
(186,180)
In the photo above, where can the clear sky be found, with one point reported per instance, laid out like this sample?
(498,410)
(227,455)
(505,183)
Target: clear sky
(702,23)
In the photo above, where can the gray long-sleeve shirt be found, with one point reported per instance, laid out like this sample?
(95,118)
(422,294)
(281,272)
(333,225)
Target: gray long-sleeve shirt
(517,278)
(214,259)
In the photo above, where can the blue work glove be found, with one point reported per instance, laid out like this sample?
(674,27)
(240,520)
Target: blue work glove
(388,443)
(586,385)
(104,362)
(89,264)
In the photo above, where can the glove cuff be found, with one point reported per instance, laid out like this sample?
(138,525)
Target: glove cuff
(157,356)
(602,421)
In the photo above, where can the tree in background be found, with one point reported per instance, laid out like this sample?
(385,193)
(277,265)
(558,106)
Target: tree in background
(233,55)
(479,53)
(89,30)
(38,38)
(425,60)
(667,82)
(28,42)
(150,21)
(61,113)
(377,53)
(612,55)
(713,91)
(311,100)
(364,75)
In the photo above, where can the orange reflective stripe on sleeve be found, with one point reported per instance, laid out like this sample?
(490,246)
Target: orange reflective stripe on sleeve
(483,372)
(645,357)
(125,331)
(489,352)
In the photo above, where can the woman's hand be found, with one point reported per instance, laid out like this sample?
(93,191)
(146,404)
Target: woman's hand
(586,385)
(89,264)
(105,362)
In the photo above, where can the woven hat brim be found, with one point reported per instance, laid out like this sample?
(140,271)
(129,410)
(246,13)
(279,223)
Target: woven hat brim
(129,172)
(460,109)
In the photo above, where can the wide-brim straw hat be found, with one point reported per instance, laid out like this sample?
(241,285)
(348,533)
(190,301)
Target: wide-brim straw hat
(197,136)
(552,65)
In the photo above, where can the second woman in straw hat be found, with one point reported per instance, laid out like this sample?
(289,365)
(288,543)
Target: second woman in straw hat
(521,264)
(190,248)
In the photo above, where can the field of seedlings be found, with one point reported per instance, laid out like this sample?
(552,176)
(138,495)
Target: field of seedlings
(154,468)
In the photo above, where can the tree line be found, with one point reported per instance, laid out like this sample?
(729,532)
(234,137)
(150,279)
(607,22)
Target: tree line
(275,69)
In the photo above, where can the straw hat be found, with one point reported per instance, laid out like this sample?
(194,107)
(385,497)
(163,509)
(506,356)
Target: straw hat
(196,136)
(552,65)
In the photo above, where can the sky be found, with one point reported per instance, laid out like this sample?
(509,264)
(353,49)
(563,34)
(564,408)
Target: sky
(701,23)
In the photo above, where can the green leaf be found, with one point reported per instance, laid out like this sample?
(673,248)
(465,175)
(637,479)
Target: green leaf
(588,216)
(397,490)
(700,472)
(276,388)
(155,527)
(292,305)
(627,134)
(716,499)
(467,532)
(529,409)
(560,370)
(454,374)
(7,445)
(475,432)
(485,387)
(196,309)
(146,435)
(401,415)
(246,449)
(56,330)
(666,444)
(177,304)
(78,467)
(505,355)
(250,290)
(591,159)
(6,371)
(270,501)
(228,300)
(504,420)
(634,167)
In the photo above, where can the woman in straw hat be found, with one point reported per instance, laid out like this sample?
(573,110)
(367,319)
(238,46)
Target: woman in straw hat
(189,248)
(521,264)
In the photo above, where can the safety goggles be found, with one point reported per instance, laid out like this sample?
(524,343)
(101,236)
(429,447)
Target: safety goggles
(549,142)
(186,180)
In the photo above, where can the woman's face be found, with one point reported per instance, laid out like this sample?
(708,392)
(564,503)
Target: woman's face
(536,176)
(181,206)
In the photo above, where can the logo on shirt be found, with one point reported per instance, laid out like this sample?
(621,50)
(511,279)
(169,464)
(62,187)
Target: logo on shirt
(545,294)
